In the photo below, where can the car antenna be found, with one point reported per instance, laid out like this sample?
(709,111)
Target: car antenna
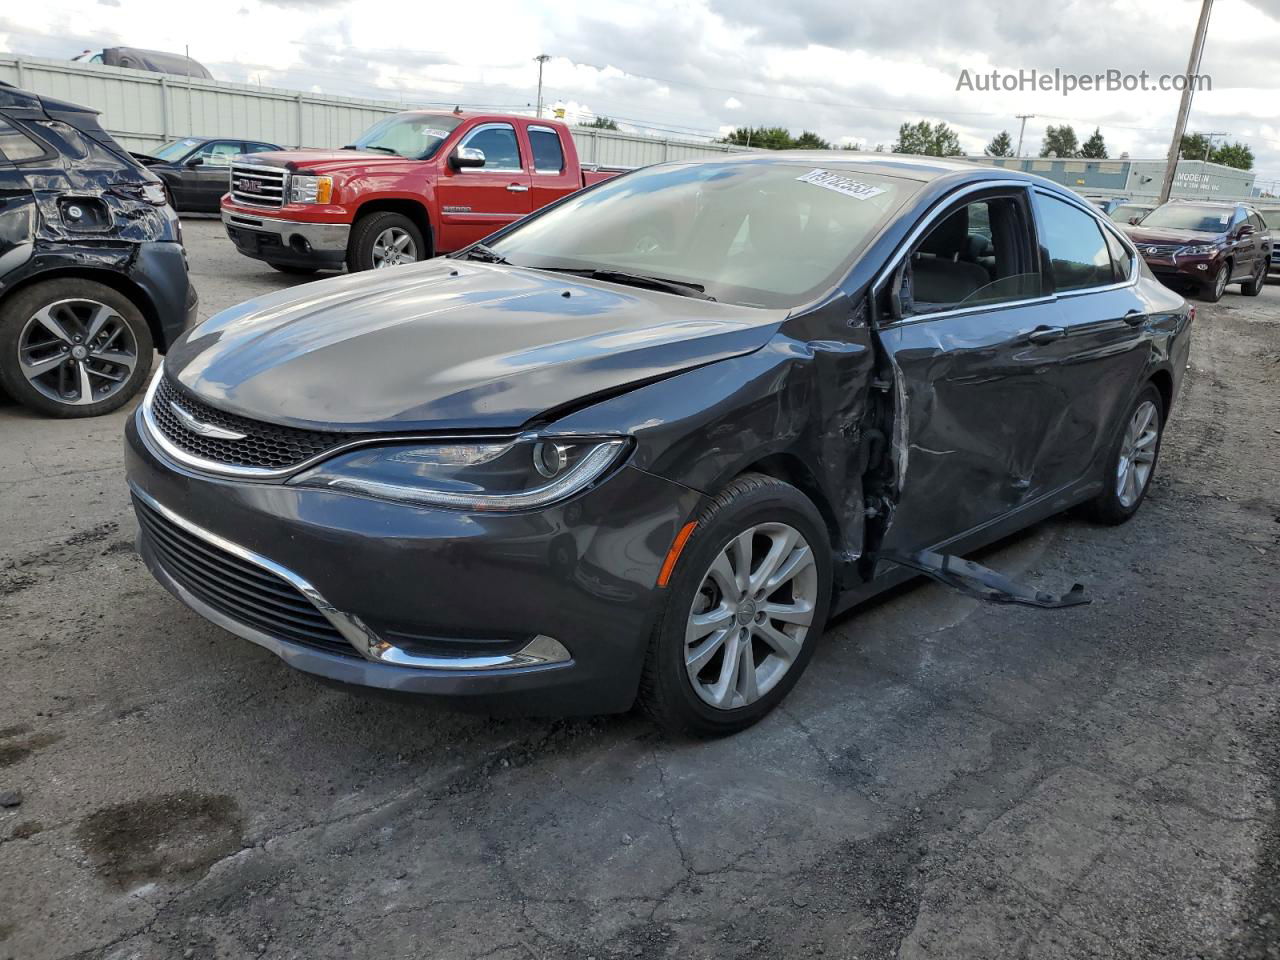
(457,109)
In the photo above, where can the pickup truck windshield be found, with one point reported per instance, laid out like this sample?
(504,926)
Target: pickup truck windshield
(760,234)
(1189,216)
(414,136)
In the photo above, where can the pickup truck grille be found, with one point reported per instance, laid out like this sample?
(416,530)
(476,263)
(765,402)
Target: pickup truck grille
(260,186)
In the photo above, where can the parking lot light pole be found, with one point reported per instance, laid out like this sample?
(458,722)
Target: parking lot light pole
(541,58)
(1184,107)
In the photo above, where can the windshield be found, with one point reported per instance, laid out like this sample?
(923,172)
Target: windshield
(1190,216)
(761,234)
(1127,211)
(176,149)
(414,136)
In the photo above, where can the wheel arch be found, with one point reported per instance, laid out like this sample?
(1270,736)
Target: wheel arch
(789,468)
(1163,382)
(409,207)
(119,282)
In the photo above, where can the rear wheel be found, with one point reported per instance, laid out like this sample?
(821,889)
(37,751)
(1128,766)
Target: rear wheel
(745,608)
(73,348)
(1253,286)
(1133,461)
(382,240)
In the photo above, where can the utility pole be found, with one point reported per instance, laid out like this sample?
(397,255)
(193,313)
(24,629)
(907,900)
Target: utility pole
(1024,117)
(1204,161)
(541,58)
(1184,107)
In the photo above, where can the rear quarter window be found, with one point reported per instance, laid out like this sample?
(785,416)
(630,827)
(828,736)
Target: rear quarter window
(548,153)
(16,146)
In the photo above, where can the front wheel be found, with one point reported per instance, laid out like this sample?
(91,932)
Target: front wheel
(73,348)
(745,608)
(382,240)
(1133,461)
(1212,291)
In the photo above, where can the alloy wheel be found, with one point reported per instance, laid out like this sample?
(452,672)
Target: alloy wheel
(1220,281)
(1137,453)
(392,247)
(751,615)
(77,351)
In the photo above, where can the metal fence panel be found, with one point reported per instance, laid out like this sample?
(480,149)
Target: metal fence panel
(143,110)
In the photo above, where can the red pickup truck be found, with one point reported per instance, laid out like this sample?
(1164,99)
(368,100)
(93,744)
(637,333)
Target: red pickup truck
(415,185)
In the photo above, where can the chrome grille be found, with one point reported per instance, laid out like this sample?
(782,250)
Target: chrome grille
(1159,249)
(261,446)
(236,588)
(260,186)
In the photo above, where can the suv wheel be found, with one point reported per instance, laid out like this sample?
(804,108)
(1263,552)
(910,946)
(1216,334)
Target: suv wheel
(384,240)
(1212,291)
(744,612)
(73,348)
(1253,286)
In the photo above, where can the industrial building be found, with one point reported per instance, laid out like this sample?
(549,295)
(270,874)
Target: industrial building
(1136,179)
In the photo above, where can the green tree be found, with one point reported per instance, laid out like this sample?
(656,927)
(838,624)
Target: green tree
(1001,145)
(602,123)
(1095,148)
(928,139)
(1194,146)
(809,140)
(767,138)
(1238,155)
(1060,141)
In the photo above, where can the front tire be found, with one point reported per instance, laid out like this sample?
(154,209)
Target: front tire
(744,610)
(1212,291)
(1132,463)
(382,240)
(73,348)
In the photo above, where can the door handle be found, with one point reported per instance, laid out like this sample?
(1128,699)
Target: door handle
(1135,318)
(518,188)
(1046,334)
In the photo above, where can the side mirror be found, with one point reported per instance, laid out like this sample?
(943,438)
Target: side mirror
(466,157)
(1244,230)
(1135,220)
(194,162)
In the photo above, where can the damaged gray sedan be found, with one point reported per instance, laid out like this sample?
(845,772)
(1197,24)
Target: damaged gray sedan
(642,444)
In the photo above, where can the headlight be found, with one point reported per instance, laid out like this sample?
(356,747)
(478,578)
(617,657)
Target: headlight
(1207,250)
(149,191)
(522,474)
(305,189)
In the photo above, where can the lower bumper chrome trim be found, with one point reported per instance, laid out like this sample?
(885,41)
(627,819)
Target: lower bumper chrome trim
(539,651)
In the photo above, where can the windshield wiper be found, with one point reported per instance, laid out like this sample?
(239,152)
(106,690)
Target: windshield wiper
(480,252)
(352,146)
(684,288)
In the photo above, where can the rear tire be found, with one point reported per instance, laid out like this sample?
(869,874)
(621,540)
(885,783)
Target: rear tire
(1253,286)
(93,340)
(1126,481)
(375,236)
(694,680)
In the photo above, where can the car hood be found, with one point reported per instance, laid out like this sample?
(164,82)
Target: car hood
(1140,234)
(326,161)
(449,345)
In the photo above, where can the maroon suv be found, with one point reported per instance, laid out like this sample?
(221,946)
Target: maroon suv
(1206,244)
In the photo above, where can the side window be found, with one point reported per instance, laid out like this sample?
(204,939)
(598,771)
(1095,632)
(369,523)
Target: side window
(1072,246)
(218,153)
(258,147)
(978,254)
(498,141)
(1256,220)
(548,154)
(1238,217)
(16,146)
(1121,258)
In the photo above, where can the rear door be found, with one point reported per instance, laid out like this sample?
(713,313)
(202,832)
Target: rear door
(476,201)
(552,178)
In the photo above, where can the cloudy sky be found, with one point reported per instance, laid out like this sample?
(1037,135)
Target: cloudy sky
(850,71)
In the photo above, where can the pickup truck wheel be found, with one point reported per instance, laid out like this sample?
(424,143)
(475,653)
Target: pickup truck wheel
(384,240)
(73,348)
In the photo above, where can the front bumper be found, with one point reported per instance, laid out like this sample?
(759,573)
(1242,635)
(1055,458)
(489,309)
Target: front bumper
(1179,270)
(546,612)
(289,242)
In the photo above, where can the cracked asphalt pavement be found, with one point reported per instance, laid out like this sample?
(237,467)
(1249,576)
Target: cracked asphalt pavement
(949,779)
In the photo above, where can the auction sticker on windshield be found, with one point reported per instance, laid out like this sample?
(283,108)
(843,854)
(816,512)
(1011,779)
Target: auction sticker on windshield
(833,181)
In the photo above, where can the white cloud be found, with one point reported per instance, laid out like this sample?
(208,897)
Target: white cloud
(733,103)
